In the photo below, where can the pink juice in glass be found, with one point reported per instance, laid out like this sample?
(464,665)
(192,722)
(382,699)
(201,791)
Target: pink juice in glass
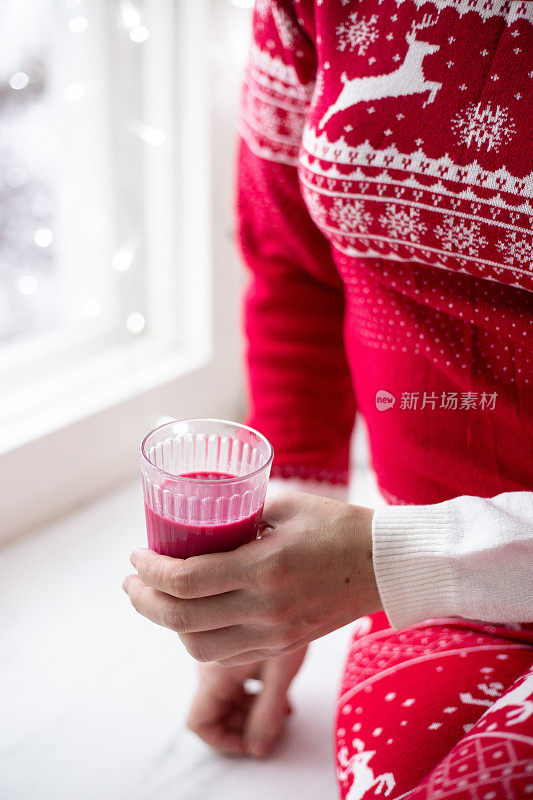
(170,537)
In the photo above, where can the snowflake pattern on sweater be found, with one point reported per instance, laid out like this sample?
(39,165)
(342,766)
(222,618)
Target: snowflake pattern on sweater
(361,144)
(438,711)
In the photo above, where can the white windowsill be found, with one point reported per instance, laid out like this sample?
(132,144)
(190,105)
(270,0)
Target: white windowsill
(98,695)
(83,389)
(88,442)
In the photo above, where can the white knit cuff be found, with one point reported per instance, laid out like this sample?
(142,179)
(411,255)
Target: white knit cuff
(411,554)
(335,491)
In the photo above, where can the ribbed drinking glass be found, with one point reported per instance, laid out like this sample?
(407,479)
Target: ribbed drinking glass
(204,484)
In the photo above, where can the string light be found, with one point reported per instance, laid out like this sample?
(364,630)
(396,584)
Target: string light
(27,284)
(19,80)
(74,92)
(130,16)
(135,322)
(43,237)
(123,258)
(139,34)
(78,24)
(91,308)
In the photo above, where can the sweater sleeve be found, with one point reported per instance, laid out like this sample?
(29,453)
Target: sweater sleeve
(299,388)
(468,557)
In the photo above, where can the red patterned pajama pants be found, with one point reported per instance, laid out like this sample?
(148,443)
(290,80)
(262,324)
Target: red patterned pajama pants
(442,710)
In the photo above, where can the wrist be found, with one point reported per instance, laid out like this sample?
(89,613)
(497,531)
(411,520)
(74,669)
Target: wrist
(366,587)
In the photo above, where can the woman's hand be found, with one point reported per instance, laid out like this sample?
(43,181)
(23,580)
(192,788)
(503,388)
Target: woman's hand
(232,720)
(310,573)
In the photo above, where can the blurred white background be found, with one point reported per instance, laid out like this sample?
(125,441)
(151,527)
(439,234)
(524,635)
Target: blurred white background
(119,279)
(119,307)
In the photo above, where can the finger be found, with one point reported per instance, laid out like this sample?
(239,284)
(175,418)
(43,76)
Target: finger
(151,603)
(218,716)
(197,576)
(248,657)
(214,731)
(265,721)
(224,643)
(235,719)
(187,616)
(292,659)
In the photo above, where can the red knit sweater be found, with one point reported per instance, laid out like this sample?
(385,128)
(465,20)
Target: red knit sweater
(384,211)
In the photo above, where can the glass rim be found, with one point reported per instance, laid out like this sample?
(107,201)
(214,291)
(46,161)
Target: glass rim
(235,479)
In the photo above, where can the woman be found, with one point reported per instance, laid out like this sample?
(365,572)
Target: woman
(384,176)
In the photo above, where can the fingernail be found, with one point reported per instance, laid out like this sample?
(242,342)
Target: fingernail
(125,585)
(135,555)
(258,748)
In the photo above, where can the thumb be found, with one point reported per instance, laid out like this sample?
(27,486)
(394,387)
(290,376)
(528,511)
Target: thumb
(280,507)
(265,718)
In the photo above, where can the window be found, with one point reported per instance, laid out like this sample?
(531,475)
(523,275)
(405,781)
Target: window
(119,281)
(90,246)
